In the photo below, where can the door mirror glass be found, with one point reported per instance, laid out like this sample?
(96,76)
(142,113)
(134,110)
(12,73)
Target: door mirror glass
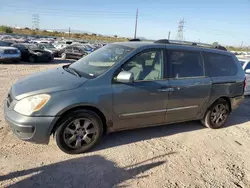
(247,71)
(125,77)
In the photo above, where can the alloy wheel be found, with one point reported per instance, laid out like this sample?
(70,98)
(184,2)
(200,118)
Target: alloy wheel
(79,133)
(63,56)
(219,114)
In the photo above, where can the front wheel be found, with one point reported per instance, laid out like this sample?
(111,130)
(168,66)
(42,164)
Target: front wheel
(79,131)
(63,56)
(32,59)
(216,116)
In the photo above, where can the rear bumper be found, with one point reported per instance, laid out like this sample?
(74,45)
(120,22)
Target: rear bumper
(32,129)
(9,59)
(236,101)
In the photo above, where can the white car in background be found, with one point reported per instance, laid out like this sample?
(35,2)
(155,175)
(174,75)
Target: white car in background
(62,44)
(245,62)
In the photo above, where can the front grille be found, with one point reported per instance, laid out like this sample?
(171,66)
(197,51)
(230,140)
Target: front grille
(10,51)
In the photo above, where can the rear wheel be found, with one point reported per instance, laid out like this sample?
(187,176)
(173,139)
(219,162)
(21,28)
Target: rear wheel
(216,116)
(79,131)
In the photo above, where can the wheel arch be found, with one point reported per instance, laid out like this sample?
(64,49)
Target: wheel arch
(81,107)
(224,98)
(228,101)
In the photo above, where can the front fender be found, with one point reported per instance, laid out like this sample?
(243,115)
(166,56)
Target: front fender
(63,101)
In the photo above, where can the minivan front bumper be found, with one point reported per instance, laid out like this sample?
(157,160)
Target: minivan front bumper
(32,129)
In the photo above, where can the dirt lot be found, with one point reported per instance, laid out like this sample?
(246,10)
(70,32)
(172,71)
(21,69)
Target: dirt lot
(178,155)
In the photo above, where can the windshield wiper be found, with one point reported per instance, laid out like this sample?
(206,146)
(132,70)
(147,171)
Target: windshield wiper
(72,71)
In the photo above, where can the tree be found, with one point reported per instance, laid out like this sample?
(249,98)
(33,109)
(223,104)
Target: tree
(115,36)
(76,35)
(6,29)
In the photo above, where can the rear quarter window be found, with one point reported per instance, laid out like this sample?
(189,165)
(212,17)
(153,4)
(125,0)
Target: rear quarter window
(248,66)
(217,65)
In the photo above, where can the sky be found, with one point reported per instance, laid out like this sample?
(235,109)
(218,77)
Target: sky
(223,21)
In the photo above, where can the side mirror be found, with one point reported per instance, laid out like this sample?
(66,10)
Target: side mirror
(125,77)
(247,71)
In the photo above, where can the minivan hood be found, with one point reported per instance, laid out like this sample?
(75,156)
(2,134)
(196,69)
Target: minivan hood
(53,80)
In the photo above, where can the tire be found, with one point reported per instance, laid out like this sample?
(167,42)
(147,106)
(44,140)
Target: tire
(73,140)
(32,59)
(217,115)
(52,59)
(63,56)
(16,61)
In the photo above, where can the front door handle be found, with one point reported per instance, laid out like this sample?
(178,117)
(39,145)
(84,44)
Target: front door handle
(165,89)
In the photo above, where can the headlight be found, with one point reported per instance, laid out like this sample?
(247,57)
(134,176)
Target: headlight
(38,53)
(31,104)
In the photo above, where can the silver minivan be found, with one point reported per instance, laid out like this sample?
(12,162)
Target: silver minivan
(123,86)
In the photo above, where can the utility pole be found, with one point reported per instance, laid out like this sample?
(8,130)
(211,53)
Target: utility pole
(241,44)
(69,32)
(136,19)
(180,30)
(35,21)
(169,33)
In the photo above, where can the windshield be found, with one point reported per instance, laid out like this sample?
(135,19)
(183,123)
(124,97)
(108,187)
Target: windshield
(81,47)
(32,46)
(88,47)
(48,45)
(101,60)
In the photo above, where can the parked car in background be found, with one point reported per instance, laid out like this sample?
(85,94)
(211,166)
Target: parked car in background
(50,48)
(62,44)
(41,41)
(73,52)
(32,53)
(122,86)
(9,54)
(85,47)
(245,63)
(6,43)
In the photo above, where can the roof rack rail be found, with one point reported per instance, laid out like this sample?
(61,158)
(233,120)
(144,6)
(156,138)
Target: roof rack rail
(131,40)
(163,41)
(189,43)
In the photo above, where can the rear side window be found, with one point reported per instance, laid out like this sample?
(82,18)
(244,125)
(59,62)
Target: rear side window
(217,65)
(76,49)
(185,64)
(69,49)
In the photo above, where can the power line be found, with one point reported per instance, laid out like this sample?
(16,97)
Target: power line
(180,36)
(65,11)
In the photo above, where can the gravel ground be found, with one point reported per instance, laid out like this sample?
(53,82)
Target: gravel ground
(177,155)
